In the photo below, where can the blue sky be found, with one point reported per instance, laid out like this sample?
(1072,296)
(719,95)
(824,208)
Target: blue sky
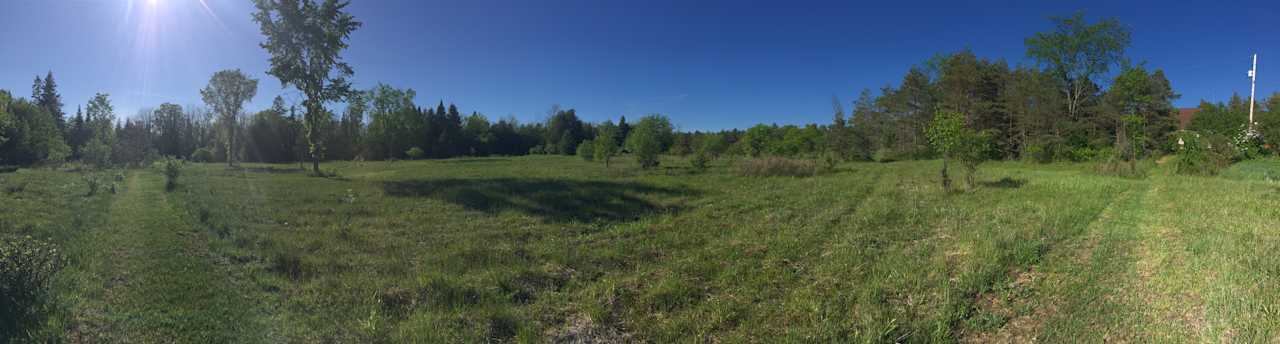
(706,64)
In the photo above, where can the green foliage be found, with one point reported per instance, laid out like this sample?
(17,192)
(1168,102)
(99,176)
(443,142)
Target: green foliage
(1220,119)
(950,137)
(650,137)
(93,182)
(1143,103)
(171,168)
(7,122)
(756,140)
(830,161)
(226,94)
(683,145)
(1076,52)
(1197,155)
(395,124)
(415,153)
(700,160)
(202,155)
(775,166)
(564,131)
(27,268)
(885,155)
(305,40)
(586,150)
(606,142)
(31,135)
(100,126)
(1248,144)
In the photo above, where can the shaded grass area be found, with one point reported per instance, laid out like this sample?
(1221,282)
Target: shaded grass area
(551,199)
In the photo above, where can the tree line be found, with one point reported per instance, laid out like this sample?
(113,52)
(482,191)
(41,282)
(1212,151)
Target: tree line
(1081,100)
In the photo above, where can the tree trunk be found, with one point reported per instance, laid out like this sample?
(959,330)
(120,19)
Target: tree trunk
(946,179)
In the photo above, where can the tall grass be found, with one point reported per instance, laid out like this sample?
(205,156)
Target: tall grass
(774,166)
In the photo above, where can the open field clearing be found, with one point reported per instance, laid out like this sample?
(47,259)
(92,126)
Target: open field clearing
(536,249)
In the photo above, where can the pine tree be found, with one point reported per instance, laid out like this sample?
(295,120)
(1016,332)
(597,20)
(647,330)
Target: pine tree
(51,101)
(624,129)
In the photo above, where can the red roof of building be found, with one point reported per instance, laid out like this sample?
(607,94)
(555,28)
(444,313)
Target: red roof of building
(1185,116)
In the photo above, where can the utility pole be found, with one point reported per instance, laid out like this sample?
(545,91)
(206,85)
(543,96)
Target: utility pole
(1253,82)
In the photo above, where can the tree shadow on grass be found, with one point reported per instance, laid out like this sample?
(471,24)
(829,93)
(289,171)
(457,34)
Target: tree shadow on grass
(1004,183)
(553,200)
(473,160)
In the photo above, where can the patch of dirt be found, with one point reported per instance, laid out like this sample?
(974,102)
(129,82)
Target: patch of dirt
(582,330)
(1020,328)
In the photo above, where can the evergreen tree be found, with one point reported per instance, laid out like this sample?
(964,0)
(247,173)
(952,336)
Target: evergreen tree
(51,101)
(624,129)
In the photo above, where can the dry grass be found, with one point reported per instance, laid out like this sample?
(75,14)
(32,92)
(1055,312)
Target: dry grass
(777,167)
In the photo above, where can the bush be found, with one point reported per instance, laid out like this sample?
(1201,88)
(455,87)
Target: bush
(27,267)
(536,150)
(777,166)
(830,160)
(97,153)
(1197,156)
(202,155)
(415,153)
(1083,154)
(1248,145)
(700,160)
(648,138)
(605,148)
(171,168)
(955,141)
(1037,152)
(93,182)
(586,150)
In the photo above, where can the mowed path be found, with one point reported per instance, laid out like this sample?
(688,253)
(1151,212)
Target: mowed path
(1173,260)
(158,282)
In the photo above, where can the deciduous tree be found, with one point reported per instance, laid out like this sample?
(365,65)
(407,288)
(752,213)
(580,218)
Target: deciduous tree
(226,93)
(305,39)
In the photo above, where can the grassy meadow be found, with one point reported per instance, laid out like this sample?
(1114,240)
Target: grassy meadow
(556,249)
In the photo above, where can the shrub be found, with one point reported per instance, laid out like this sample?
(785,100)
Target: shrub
(97,152)
(586,150)
(27,267)
(202,155)
(1196,155)
(93,182)
(955,141)
(415,153)
(700,160)
(830,160)
(776,166)
(1037,152)
(1083,154)
(648,138)
(535,150)
(171,168)
(605,148)
(1248,145)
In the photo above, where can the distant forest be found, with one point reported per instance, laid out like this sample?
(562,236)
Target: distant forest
(1054,110)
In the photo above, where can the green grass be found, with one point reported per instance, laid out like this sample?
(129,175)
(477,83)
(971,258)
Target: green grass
(546,248)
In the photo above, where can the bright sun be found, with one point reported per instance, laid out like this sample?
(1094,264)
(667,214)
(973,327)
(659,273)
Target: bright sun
(153,2)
